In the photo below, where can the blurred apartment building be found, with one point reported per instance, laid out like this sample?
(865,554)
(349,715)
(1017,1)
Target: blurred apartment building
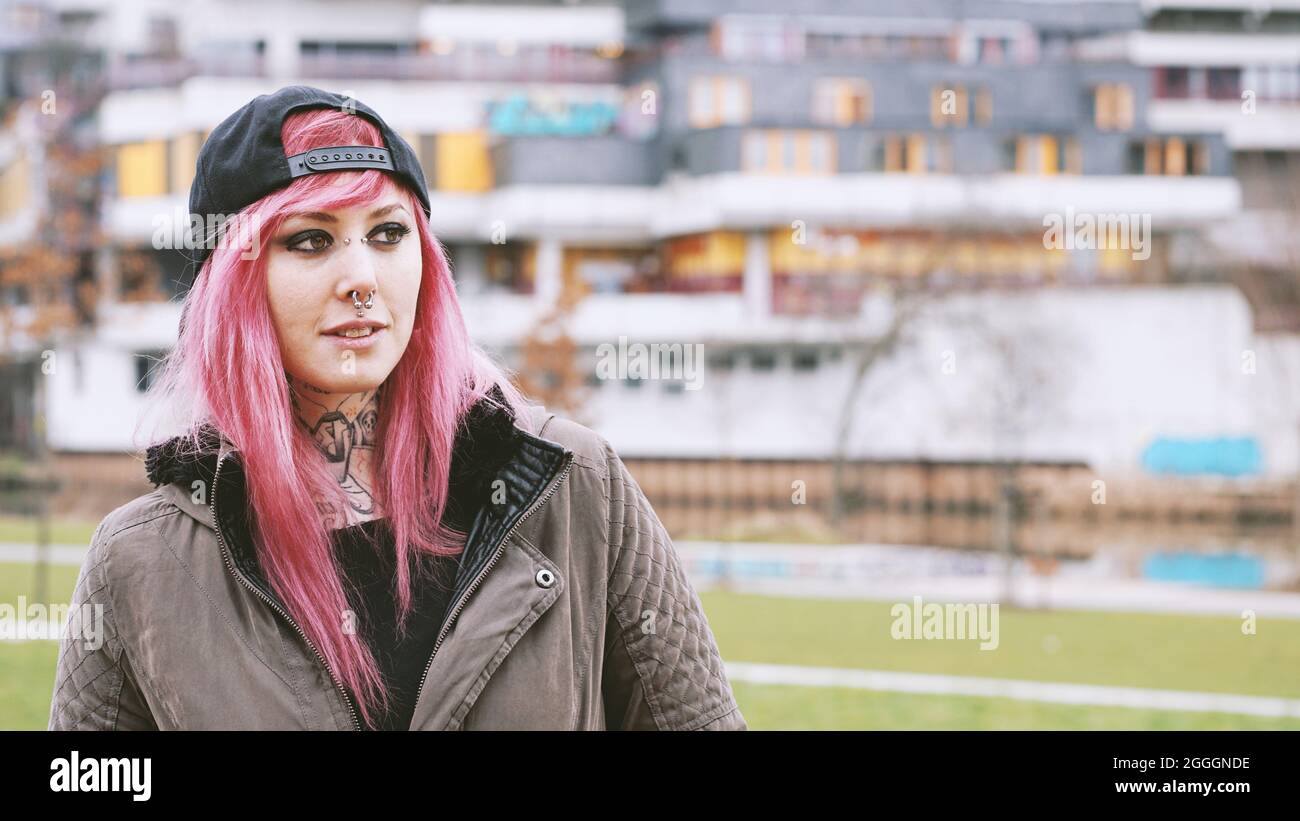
(765,181)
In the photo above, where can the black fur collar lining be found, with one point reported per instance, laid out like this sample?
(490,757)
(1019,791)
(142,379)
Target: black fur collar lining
(486,440)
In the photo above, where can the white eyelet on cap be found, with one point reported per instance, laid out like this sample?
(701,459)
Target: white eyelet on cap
(545,578)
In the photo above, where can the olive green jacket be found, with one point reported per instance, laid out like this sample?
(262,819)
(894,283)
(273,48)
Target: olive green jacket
(571,611)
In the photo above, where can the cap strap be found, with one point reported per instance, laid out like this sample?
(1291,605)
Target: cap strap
(338,158)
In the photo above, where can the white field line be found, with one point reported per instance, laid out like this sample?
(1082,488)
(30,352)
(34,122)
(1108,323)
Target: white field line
(25,553)
(1052,692)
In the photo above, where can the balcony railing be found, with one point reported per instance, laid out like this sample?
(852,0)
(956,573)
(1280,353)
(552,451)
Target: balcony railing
(465,64)
(151,72)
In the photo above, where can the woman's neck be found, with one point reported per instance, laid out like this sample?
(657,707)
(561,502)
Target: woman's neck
(342,425)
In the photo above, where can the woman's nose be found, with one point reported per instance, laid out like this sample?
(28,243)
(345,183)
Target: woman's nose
(359,271)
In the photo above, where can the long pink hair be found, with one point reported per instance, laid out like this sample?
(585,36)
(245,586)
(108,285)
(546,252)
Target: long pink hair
(226,370)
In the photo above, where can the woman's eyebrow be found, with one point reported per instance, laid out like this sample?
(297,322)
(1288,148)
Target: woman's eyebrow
(324,217)
(379,212)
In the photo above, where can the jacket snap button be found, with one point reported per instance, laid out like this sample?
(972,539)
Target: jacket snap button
(545,578)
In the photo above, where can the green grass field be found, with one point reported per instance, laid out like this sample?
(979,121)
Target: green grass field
(1173,652)
(62,531)
(1170,652)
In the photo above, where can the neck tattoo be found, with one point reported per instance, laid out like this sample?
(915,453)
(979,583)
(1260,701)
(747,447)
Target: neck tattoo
(343,428)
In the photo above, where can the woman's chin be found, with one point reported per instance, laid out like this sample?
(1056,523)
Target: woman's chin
(363,380)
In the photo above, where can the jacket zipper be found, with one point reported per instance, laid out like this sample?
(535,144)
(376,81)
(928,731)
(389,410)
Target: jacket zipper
(496,555)
(225,554)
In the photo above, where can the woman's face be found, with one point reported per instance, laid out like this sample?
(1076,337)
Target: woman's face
(316,260)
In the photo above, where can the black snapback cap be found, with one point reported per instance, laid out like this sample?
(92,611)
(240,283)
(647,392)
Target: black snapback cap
(243,159)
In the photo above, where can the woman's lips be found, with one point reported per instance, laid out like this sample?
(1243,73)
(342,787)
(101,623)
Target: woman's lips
(357,342)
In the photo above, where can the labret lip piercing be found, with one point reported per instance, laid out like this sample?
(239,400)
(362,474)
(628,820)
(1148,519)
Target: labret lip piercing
(356,301)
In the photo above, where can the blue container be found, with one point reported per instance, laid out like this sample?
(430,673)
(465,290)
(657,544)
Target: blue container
(1236,570)
(1222,456)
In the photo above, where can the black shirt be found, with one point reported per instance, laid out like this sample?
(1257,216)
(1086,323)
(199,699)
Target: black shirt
(370,573)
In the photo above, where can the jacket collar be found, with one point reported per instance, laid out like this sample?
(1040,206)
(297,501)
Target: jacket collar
(489,445)
(487,438)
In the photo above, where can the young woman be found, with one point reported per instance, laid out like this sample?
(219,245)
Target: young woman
(364,525)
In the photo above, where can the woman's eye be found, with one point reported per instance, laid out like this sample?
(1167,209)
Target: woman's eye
(389,234)
(314,240)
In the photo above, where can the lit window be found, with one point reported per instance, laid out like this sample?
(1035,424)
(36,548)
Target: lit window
(1176,156)
(841,101)
(948,106)
(1047,154)
(1113,107)
(788,152)
(142,169)
(984,105)
(715,101)
(917,155)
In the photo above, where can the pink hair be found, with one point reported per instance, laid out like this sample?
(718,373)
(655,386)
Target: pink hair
(226,370)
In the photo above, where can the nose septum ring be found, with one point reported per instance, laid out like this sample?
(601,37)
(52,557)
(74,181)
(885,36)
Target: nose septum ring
(356,301)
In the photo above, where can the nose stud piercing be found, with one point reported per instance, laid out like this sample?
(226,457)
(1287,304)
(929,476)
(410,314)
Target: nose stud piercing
(356,301)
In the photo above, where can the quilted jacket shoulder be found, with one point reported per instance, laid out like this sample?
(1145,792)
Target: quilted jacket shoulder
(99,691)
(663,669)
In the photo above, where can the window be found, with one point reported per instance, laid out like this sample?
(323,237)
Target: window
(142,169)
(1171,156)
(754,151)
(146,368)
(1270,82)
(948,106)
(763,359)
(14,185)
(462,162)
(916,154)
(183,155)
(770,40)
(1223,83)
(1112,107)
(804,359)
(1136,158)
(774,151)
(983,105)
(1047,154)
(1175,157)
(1173,82)
(996,50)
(715,101)
(677,160)
(841,101)
(724,360)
